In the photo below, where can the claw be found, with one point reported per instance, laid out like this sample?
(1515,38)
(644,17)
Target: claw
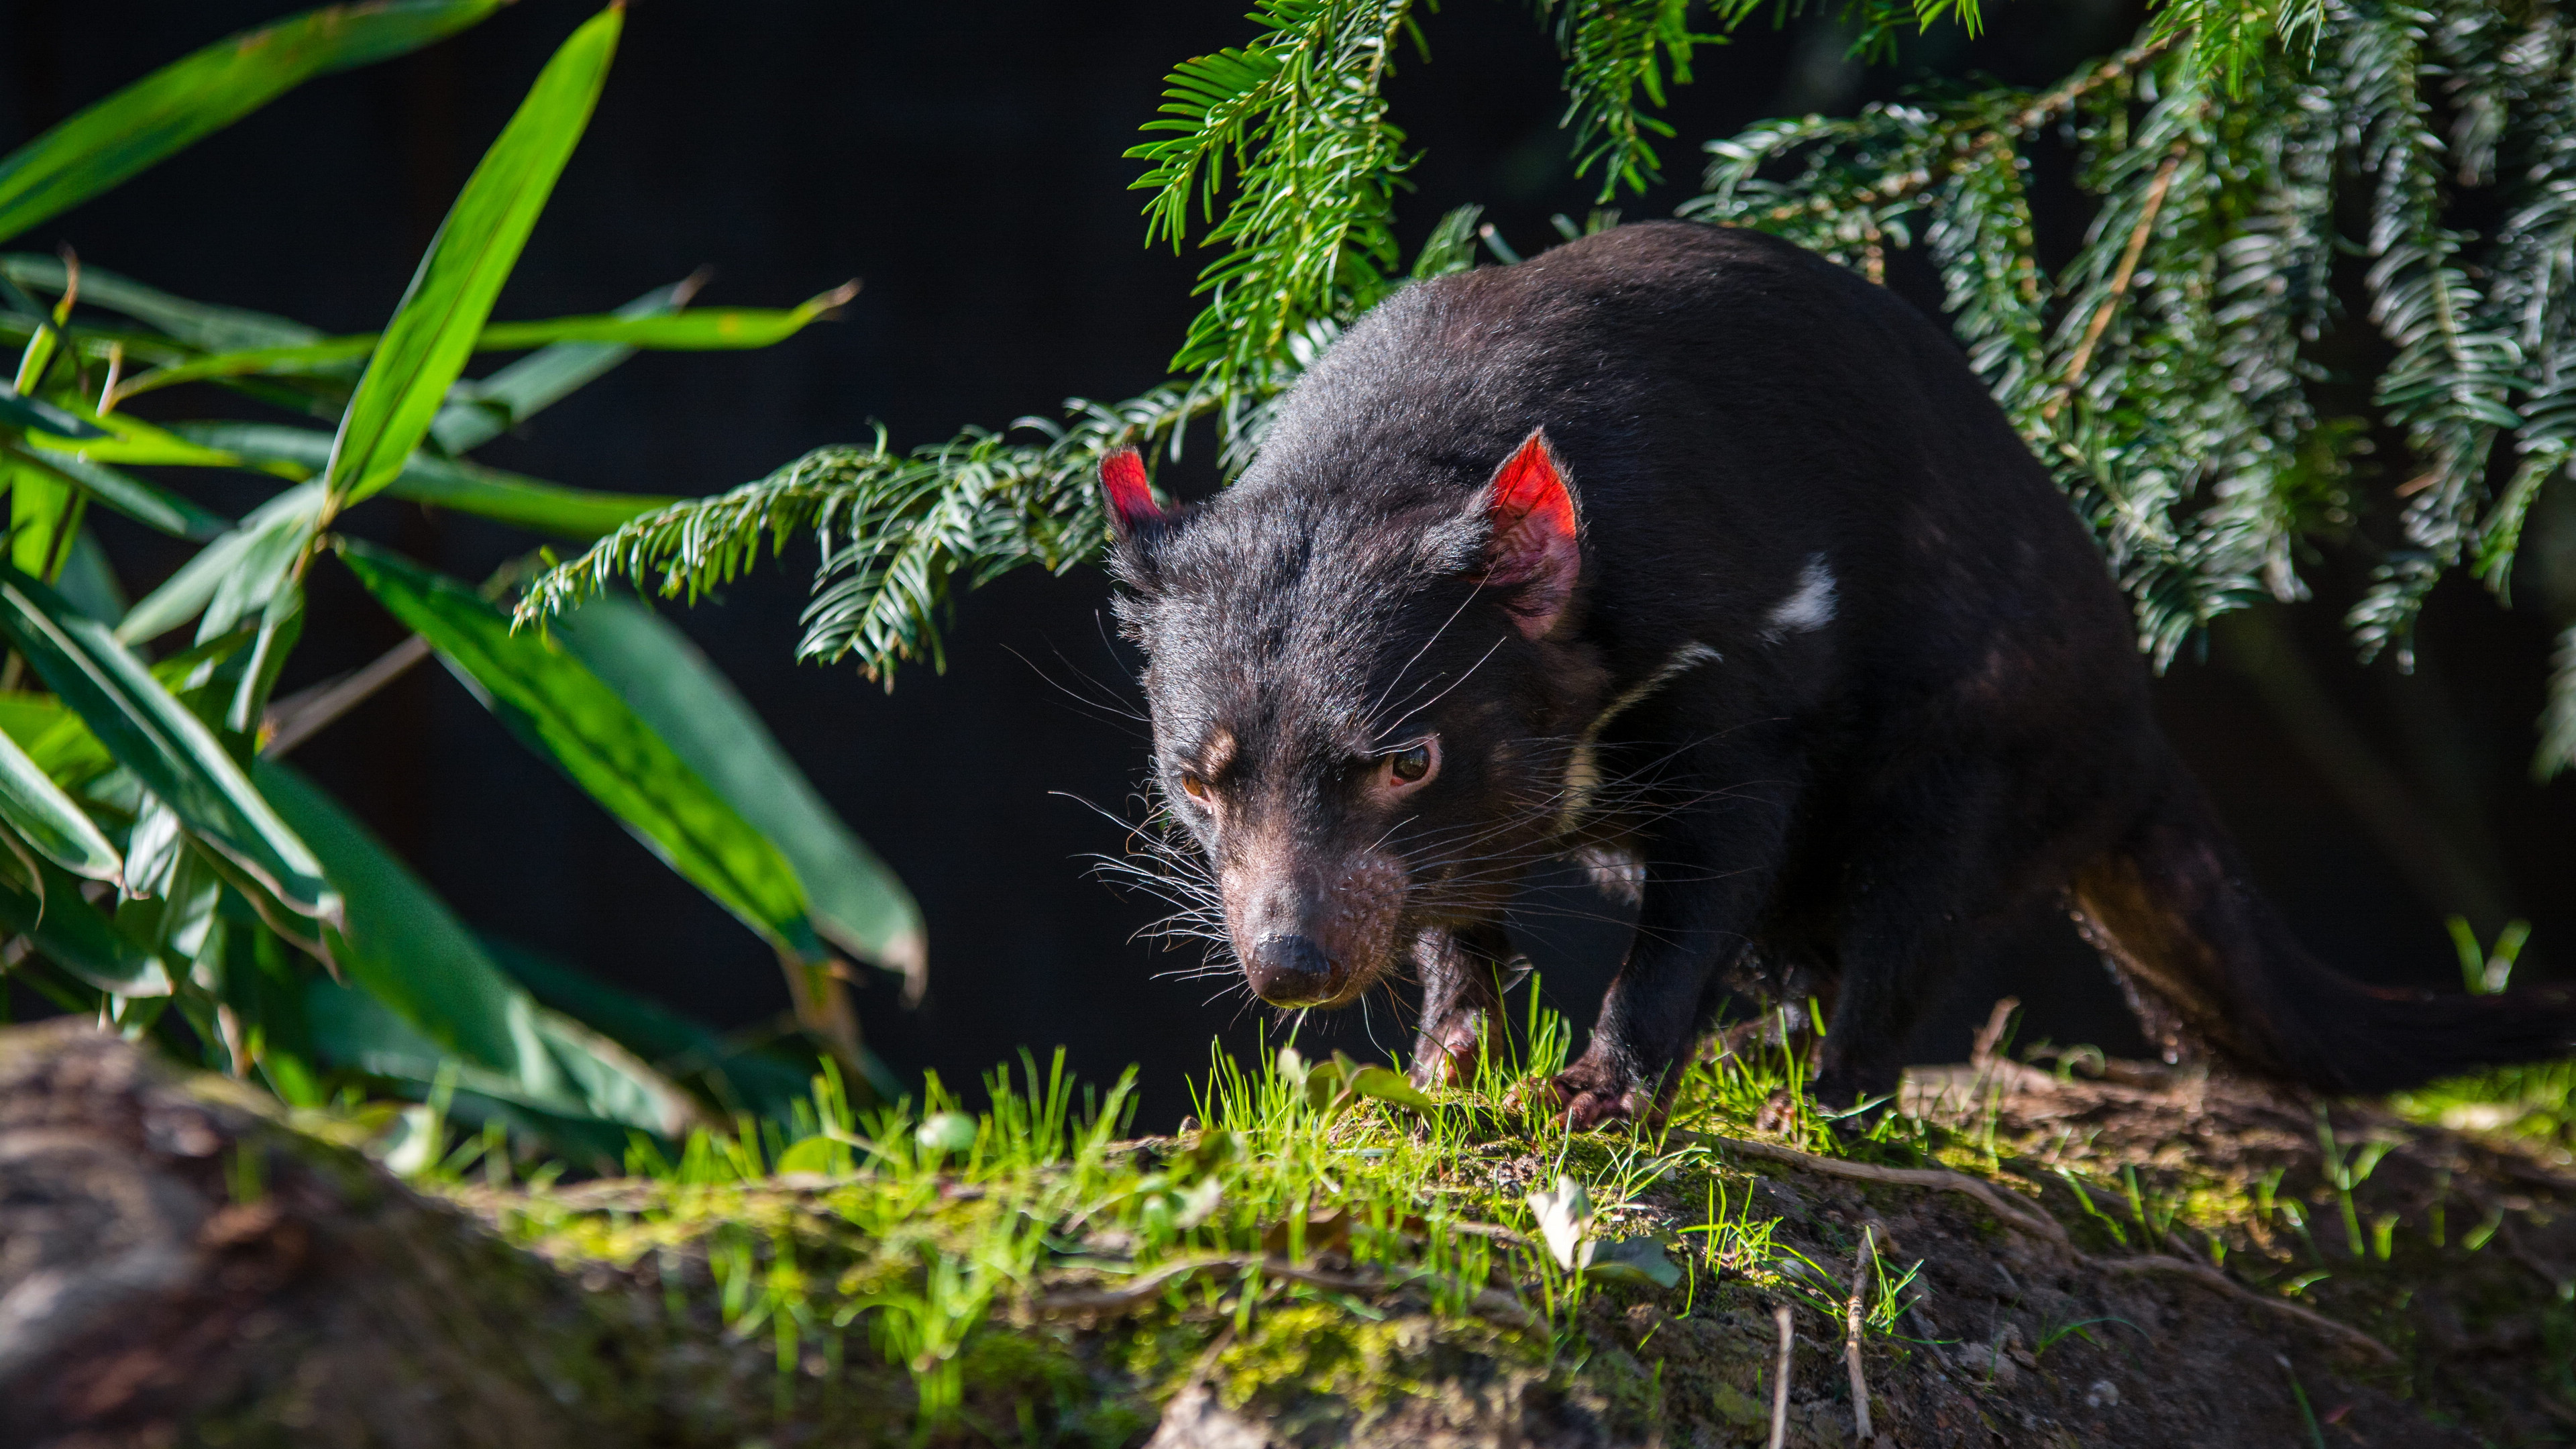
(1446,1055)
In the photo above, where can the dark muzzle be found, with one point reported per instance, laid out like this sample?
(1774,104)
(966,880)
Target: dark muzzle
(1289,971)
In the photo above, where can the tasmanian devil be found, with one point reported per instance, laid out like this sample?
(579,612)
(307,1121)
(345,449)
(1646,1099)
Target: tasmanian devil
(1684,552)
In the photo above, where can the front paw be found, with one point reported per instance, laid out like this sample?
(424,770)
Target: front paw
(1446,1052)
(1595,1094)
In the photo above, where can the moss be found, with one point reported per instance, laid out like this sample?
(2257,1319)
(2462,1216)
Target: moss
(1323,1348)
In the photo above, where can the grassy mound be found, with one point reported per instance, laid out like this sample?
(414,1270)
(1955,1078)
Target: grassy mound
(2051,1250)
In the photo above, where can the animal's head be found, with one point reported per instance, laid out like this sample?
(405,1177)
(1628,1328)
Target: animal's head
(1360,700)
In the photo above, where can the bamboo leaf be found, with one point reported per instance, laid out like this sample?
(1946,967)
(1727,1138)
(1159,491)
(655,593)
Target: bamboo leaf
(407,951)
(170,751)
(855,900)
(480,410)
(38,416)
(269,531)
(763,1079)
(559,708)
(704,329)
(576,513)
(142,500)
(184,101)
(44,817)
(67,930)
(434,330)
(204,326)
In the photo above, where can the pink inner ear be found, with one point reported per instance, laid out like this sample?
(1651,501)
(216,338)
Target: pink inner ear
(1535,548)
(1131,498)
(1529,493)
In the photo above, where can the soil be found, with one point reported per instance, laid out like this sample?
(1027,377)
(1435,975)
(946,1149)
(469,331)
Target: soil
(182,1264)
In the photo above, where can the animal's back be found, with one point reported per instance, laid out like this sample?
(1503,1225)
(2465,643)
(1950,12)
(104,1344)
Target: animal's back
(1732,407)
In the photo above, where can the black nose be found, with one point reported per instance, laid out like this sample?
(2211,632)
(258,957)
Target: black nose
(1289,971)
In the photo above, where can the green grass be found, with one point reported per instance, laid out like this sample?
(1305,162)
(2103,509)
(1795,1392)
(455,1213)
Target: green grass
(1319,1228)
(923,1229)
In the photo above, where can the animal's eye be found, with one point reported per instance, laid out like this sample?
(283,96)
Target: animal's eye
(1410,765)
(1194,787)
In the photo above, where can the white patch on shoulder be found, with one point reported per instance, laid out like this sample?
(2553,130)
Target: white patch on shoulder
(1808,609)
(1583,770)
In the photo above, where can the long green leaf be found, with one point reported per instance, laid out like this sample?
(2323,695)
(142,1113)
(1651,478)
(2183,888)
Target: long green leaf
(765,1079)
(482,409)
(170,751)
(406,950)
(228,562)
(350,1029)
(36,415)
(44,817)
(146,502)
(186,100)
(204,326)
(704,329)
(560,709)
(78,936)
(577,513)
(855,900)
(442,313)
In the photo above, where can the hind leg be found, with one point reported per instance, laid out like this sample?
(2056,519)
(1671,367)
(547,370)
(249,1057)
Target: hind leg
(1943,861)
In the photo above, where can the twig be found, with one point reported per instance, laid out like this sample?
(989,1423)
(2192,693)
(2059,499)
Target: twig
(2119,282)
(1982,1051)
(1851,1337)
(2158,1263)
(2028,1219)
(2041,108)
(1146,1287)
(1780,1379)
(300,716)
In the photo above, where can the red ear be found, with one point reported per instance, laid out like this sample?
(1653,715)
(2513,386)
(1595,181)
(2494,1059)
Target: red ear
(1535,547)
(1131,498)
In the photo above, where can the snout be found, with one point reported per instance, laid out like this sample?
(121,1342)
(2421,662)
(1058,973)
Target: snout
(1289,971)
(1313,934)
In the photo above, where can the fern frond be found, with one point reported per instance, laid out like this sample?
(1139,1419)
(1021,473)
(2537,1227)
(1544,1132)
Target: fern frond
(2558,721)
(1617,53)
(2231,37)
(2450,383)
(1300,119)
(897,530)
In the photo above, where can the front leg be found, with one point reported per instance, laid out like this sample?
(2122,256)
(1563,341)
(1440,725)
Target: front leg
(1710,869)
(1462,994)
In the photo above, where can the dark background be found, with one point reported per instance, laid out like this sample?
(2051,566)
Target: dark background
(964,159)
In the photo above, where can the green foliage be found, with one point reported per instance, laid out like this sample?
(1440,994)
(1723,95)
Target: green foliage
(2166,371)
(433,332)
(163,869)
(897,530)
(1300,118)
(187,100)
(2166,382)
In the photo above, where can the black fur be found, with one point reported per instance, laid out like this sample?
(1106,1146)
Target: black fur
(1853,681)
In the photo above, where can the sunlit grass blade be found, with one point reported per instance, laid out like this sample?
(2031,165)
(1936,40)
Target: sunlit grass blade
(184,101)
(443,312)
(568,715)
(854,899)
(170,751)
